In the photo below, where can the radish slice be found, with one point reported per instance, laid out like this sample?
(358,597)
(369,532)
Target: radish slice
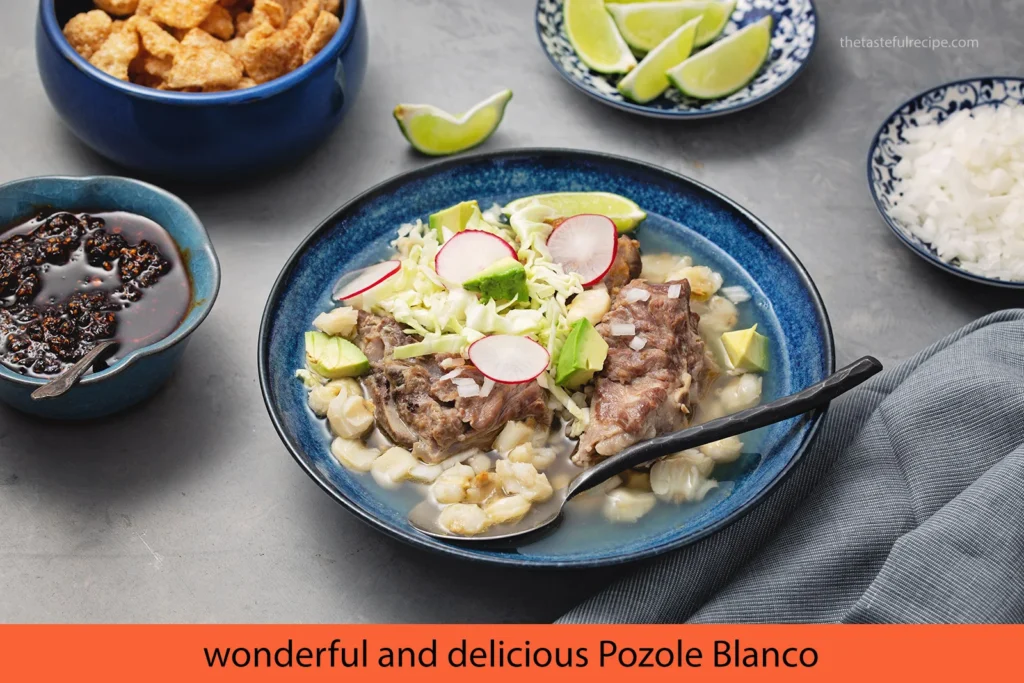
(508,359)
(469,252)
(585,244)
(355,283)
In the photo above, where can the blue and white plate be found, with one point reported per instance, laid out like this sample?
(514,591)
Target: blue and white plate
(932,106)
(795,33)
(683,216)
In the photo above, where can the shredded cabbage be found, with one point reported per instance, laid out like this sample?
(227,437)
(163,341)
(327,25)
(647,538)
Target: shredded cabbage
(449,320)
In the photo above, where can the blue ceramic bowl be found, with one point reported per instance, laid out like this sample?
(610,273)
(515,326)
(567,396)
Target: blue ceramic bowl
(683,215)
(201,135)
(795,33)
(933,106)
(141,372)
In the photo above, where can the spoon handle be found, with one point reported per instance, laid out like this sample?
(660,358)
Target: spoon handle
(67,379)
(814,396)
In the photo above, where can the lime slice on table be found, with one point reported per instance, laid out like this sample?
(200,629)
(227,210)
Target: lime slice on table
(435,132)
(726,66)
(646,25)
(648,79)
(593,35)
(623,212)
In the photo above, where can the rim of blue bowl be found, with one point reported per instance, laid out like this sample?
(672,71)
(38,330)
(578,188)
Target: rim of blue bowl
(339,42)
(676,114)
(181,332)
(920,248)
(426,543)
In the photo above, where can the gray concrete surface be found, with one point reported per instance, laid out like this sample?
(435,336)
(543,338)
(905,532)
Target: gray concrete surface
(196,513)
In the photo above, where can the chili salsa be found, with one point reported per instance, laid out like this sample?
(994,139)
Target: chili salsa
(71,280)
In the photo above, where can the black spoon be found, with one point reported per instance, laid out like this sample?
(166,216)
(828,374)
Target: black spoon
(425,515)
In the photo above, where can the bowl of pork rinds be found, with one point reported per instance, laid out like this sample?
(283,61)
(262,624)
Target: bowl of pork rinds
(202,89)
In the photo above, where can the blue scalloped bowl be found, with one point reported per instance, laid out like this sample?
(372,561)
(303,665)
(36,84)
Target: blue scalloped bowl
(142,372)
(794,37)
(933,106)
(683,215)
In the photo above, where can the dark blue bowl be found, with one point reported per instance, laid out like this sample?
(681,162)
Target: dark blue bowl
(143,371)
(682,214)
(201,135)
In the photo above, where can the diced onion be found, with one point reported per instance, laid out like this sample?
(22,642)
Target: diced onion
(485,389)
(464,380)
(735,294)
(674,291)
(623,329)
(469,390)
(635,294)
(637,343)
(451,375)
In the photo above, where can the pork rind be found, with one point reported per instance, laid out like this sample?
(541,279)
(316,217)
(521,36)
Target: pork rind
(145,8)
(156,41)
(243,42)
(307,10)
(118,8)
(182,13)
(235,47)
(219,23)
(117,52)
(270,12)
(88,31)
(270,54)
(323,30)
(244,22)
(197,37)
(203,68)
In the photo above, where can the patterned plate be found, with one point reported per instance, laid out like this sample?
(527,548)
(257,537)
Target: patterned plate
(933,106)
(793,40)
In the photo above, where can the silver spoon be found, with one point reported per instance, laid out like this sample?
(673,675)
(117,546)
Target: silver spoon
(425,515)
(63,382)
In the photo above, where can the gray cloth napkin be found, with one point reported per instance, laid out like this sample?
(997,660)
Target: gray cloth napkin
(908,507)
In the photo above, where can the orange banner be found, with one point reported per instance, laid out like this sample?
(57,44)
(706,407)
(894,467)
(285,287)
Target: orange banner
(509,653)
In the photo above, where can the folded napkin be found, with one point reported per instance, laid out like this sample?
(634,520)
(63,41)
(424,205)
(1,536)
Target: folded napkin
(908,507)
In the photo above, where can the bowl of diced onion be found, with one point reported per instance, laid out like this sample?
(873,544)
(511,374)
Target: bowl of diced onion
(946,171)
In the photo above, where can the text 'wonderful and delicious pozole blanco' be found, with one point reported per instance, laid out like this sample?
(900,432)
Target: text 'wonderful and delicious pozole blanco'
(498,352)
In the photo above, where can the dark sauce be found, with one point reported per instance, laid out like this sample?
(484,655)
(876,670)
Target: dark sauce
(69,281)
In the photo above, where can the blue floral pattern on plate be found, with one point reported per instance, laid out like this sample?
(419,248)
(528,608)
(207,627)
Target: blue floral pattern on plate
(794,35)
(933,106)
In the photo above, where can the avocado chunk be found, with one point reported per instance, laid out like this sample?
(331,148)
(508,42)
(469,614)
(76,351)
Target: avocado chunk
(334,357)
(503,280)
(747,350)
(582,355)
(455,218)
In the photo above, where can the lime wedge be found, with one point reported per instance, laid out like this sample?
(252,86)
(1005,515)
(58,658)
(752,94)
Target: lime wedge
(593,35)
(623,212)
(645,25)
(726,66)
(648,79)
(435,132)
(716,17)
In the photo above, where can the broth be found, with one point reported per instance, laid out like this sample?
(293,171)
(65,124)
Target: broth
(585,527)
